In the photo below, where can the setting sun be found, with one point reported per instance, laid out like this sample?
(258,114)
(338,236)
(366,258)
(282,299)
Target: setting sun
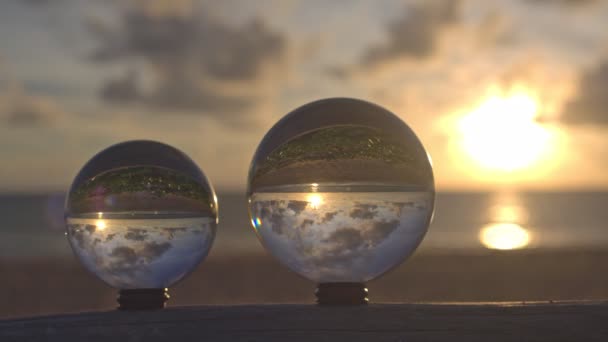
(502,133)
(100,224)
(314,200)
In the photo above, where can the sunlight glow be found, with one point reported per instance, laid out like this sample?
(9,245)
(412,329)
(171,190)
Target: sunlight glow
(502,132)
(314,200)
(101,224)
(509,213)
(504,236)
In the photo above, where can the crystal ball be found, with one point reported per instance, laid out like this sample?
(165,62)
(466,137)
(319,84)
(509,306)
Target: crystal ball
(341,190)
(141,215)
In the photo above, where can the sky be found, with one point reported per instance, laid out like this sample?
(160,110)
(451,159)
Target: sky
(503,94)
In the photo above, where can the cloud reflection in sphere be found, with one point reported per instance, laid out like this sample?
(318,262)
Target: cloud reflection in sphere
(141,215)
(341,190)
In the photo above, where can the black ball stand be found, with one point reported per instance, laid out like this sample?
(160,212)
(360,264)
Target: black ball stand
(341,294)
(142,299)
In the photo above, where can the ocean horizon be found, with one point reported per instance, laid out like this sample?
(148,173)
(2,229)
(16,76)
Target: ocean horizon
(33,224)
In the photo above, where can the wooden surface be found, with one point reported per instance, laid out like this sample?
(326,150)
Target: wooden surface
(577,321)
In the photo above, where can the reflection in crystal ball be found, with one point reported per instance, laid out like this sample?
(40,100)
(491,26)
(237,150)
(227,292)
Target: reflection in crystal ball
(341,190)
(141,214)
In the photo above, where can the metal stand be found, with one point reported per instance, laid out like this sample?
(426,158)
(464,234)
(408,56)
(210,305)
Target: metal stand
(341,294)
(142,299)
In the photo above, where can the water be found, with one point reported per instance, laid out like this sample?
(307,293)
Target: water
(140,250)
(341,236)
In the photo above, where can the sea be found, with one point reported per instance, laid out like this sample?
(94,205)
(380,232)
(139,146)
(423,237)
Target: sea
(32,225)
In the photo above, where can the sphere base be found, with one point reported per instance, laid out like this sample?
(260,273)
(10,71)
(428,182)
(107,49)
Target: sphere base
(142,299)
(341,294)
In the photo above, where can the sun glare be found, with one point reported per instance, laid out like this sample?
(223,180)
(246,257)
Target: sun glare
(502,133)
(314,200)
(504,236)
(101,224)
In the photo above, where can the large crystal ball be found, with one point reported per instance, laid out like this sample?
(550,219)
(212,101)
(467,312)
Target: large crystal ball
(341,190)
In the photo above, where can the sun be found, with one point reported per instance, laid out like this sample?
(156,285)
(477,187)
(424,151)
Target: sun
(502,133)
(314,201)
(101,224)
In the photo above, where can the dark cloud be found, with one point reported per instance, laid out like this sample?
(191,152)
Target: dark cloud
(363,211)
(306,222)
(329,216)
(563,2)
(136,234)
(171,232)
(90,228)
(23,110)
(121,90)
(77,234)
(345,240)
(380,231)
(123,256)
(24,116)
(590,106)
(297,206)
(276,220)
(351,240)
(338,72)
(36,2)
(271,213)
(416,33)
(154,250)
(197,62)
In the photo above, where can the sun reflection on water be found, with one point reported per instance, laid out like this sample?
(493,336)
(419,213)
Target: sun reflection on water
(504,236)
(506,230)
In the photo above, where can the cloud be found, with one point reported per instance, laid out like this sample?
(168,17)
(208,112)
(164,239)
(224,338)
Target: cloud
(136,234)
(121,90)
(195,62)
(364,211)
(36,2)
(380,231)
(563,2)
(297,206)
(123,256)
(23,110)
(495,29)
(345,240)
(590,106)
(329,216)
(416,34)
(153,250)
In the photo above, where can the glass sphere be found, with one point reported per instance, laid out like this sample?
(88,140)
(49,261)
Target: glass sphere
(341,190)
(141,215)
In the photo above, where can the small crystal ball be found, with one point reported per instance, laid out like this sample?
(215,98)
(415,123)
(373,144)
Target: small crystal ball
(141,215)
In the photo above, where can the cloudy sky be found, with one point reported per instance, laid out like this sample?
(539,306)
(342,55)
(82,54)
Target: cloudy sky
(502,93)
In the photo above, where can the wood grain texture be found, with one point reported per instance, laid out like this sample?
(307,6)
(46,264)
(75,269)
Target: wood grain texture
(574,321)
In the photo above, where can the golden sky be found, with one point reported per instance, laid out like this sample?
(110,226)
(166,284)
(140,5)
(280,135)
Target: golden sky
(502,93)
